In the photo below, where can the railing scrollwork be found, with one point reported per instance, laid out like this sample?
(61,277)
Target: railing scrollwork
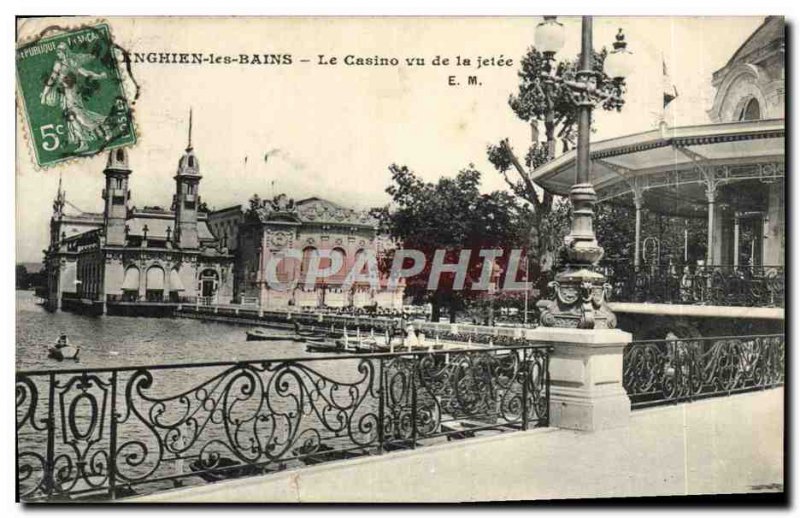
(102,434)
(754,286)
(669,371)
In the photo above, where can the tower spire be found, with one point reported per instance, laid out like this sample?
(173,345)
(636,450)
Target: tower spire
(58,203)
(189,148)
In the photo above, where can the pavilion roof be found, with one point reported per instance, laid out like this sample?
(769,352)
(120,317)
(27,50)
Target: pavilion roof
(673,156)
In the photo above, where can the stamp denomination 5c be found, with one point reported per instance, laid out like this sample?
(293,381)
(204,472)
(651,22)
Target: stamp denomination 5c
(72,95)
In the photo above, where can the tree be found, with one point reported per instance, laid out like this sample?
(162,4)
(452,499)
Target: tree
(556,113)
(450,215)
(23,282)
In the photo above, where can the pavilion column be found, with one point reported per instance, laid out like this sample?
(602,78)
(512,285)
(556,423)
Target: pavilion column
(637,258)
(711,195)
(142,279)
(736,240)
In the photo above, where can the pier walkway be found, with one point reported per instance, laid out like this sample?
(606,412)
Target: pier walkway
(722,445)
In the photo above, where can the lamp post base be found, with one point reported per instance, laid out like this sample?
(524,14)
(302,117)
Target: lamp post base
(580,301)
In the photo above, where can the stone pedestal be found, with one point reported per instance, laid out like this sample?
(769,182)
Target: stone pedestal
(586,390)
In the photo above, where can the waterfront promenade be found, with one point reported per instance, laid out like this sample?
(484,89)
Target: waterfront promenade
(306,412)
(721,445)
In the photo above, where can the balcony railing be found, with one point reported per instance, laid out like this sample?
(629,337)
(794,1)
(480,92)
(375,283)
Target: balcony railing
(670,371)
(133,297)
(754,286)
(107,433)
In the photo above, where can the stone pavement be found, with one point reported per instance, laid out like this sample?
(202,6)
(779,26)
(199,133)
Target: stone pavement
(723,445)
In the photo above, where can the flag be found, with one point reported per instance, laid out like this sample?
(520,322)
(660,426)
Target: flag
(670,92)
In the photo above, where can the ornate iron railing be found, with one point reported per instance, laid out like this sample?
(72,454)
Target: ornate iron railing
(107,433)
(670,371)
(755,286)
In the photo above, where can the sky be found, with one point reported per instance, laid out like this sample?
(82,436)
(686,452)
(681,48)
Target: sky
(332,130)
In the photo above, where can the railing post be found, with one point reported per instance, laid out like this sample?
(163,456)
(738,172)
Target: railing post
(414,402)
(585,373)
(685,358)
(16,454)
(112,453)
(547,385)
(51,425)
(381,406)
(526,378)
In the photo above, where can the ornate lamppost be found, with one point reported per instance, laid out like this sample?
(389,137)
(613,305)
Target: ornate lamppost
(580,291)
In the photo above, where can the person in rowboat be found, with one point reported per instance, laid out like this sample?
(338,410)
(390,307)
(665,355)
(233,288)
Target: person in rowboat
(62,342)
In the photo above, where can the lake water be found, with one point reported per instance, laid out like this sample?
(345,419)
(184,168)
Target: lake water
(184,414)
(113,341)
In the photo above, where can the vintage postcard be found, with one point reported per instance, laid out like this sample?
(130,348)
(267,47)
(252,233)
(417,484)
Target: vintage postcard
(399,260)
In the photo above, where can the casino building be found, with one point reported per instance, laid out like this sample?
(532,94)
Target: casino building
(270,227)
(146,261)
(129,260)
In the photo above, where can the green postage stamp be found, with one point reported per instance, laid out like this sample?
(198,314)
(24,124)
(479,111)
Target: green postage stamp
(72,95)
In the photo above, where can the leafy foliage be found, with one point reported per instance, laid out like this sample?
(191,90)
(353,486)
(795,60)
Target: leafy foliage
(548,105)
(452,215)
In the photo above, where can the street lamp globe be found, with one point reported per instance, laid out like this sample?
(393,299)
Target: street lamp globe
(618,63)
(549,37)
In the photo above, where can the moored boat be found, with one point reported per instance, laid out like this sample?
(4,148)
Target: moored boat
(367,346)
(322,345)
(268,335)
(304,333)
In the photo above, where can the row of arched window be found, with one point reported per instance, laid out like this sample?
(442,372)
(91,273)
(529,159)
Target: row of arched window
(326,261)
(155,280)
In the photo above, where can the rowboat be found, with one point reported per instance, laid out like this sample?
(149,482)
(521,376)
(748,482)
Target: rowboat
(268,335)
(63,350)
(304,333)
(366,346)
(68,352)
(322,345)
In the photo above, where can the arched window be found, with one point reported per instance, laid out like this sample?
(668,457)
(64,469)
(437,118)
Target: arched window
(358,258)
(131,281)
(308,253)
(120,155)
(751,111)
(154,284)
(191,161)
(209,283)
(338,256)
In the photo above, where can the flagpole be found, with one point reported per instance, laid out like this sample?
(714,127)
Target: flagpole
(669,92)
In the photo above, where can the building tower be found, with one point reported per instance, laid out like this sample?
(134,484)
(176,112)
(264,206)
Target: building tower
(116,196)
(58,214)
(187,200)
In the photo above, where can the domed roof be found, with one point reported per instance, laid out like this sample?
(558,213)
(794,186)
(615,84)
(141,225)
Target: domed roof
(118,159)
(769,32)
(188,163)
